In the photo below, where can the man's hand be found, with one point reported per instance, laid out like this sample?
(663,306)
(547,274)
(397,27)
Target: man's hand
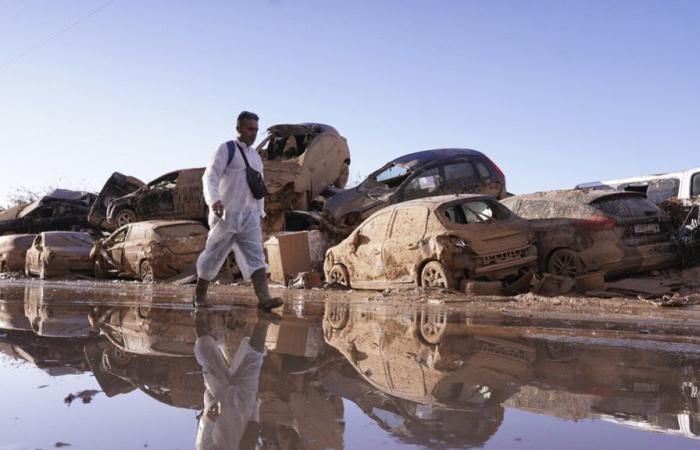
(218,208)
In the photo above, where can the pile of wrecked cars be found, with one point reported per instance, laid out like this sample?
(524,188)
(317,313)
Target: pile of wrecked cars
(435,218)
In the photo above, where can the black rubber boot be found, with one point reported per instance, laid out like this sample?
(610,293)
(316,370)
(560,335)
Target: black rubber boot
(262,291)
(200,293)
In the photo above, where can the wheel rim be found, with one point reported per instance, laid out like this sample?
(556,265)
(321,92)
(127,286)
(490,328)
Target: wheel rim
(432,326)
(338,277)
(434,277)
(125,217)
(338,316)
(565,264)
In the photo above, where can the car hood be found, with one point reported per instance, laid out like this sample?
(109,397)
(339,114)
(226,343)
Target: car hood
(348,201)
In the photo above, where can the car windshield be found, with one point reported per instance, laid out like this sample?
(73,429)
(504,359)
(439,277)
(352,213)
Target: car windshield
(384,181)
(69,240)
(179,231)
(475,211)
(626,206)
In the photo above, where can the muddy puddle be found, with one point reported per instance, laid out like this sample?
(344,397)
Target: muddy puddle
(124,365)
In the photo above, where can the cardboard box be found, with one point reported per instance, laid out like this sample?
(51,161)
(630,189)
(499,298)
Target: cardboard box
(288,255)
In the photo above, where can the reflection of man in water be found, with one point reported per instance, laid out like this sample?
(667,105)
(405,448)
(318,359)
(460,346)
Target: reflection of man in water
(230,418)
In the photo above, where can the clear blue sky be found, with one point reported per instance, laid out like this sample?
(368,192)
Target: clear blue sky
(555,92)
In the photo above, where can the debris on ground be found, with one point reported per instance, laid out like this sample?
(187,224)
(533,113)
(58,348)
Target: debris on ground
(306,280)
(86,396)
(551,285)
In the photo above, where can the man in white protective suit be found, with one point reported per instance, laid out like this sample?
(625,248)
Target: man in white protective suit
(234,215)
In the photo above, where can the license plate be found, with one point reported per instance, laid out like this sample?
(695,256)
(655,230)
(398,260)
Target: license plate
(647,228)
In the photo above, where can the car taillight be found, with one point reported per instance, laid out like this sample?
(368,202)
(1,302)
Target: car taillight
(599,223)
(498,170)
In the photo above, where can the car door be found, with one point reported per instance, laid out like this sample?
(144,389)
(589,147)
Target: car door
(133,247)
(367,266)
(158,200)
(115,248)
(401,249)
(34,253)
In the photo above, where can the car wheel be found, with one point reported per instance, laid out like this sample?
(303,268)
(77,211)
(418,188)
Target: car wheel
(338,316)
(434,274)
(119,357)
(565,262)
(125,216)
(146,272)
(432,325)
(339,275)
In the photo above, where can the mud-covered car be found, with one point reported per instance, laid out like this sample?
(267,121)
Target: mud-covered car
(59,210)
(175,195)
(13,251)
(437,241)
(56,253)
(117,185)
(149,250)
(588,230)
(422,174)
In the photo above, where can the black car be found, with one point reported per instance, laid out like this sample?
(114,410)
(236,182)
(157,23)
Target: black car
(61,210)
(422,174)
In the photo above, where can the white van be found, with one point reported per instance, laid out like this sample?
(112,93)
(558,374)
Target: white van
(684,184)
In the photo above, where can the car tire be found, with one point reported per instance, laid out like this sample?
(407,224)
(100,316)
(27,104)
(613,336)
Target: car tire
(124,216)
(146,271)
(338,315)
(431,325)
(565,262)
(434,274)
(339,275)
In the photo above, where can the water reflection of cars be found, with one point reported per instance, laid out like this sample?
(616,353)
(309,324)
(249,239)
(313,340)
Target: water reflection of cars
(587,230)
(437,241)
(416,175)
(55,318)
(56,253)
(149,250)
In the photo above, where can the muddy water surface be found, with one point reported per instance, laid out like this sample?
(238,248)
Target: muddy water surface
(121,365)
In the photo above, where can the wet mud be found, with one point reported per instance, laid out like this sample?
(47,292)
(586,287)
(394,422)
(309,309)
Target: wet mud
(342,369)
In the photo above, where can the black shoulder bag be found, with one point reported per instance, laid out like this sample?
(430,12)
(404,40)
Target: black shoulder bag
(253,177)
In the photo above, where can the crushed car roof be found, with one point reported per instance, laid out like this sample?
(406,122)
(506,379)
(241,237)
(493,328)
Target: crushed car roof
(437,201)
(582,195)
(286,129)
(424,157)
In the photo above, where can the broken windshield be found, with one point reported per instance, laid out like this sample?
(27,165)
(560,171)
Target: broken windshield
(385,180)
(475,212)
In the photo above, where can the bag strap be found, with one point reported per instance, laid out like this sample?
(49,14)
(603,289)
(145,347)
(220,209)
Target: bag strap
(231,152)
(243,155)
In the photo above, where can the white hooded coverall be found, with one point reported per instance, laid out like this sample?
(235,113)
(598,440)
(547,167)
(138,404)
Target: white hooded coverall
(239,228)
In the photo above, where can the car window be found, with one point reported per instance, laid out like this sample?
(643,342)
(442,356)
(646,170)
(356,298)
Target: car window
(392,175)
(375,228)
(626,206)
(42,213)
(38,241)
(165,182)
(120,236)
(476,211)
(483,171)
(409,222)
(136,232)
(424,183)
(69,240)
(459,172)
(180,231)
(695,185)
(656,190)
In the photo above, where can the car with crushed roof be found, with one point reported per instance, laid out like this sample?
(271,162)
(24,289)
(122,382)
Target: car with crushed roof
(149,250)
(58,253)
(422,174)
(442,241)
(61,209)
(13,251)
(589,230)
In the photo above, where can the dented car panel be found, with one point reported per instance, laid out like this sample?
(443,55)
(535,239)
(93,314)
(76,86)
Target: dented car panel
(116,186)
(175,195)
(586,230)
(56,253)
(417,175)
(149,250)
(13,251)
(58,210)
(459,237)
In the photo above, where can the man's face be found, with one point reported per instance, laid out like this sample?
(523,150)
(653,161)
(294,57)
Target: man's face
(248,131)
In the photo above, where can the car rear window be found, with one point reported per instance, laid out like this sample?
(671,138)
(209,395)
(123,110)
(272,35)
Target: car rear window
(69,240)
(626,206)
(475,211)
(484,171)
(459,172)
(179,231)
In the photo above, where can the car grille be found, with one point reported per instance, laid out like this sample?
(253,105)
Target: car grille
(501,257)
